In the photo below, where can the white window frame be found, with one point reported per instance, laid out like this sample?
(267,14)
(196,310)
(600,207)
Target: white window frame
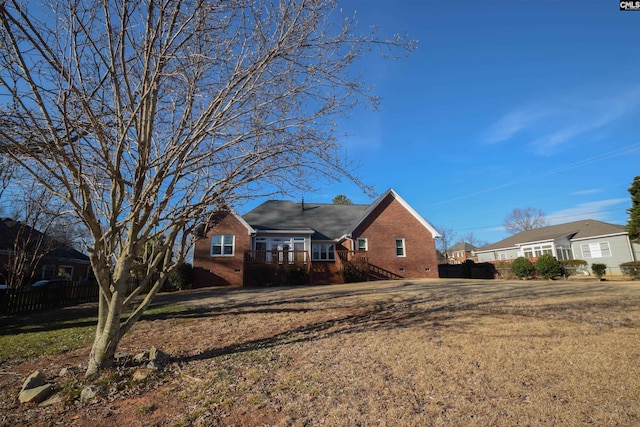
(402,247)
(223,243)
(596,250)
(536,251)
(365,245)
(320,249)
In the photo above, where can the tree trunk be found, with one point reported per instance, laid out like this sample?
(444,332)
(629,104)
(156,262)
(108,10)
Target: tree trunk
(107,333)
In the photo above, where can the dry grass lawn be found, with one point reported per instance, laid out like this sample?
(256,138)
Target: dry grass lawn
(416,353)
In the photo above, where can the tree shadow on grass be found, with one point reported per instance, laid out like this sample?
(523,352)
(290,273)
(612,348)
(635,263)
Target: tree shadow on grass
(449,306)
(379,317)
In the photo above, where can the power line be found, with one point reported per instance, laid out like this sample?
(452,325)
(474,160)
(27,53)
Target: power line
(564,168)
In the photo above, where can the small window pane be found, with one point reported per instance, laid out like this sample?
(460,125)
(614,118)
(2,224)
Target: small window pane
(399,247)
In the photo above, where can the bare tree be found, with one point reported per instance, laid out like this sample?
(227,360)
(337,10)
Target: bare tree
(524,219)
(473,240)
(36,228)
(447,238)
(145,116)
(7,170)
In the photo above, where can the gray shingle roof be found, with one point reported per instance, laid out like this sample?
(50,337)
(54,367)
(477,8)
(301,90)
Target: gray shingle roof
(574,230)
(328,221)
(462,246)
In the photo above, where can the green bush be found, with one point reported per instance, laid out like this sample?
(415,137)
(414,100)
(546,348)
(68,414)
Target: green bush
(574,267)
(522,267)
(548,267)
(181,277)
(599,269)
(631,269)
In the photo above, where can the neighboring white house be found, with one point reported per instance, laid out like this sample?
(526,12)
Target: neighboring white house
(589,240)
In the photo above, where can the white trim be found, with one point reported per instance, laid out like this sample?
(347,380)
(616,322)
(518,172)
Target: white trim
(366,243)
(328,246)
(624,233)
(404,247)
(416,215)
(496,250)
(222,245)
(245,223)
(291,232)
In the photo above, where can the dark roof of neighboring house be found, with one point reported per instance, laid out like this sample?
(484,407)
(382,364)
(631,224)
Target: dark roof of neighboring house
(327,221)
(9,230)
(573,230)
(463,246)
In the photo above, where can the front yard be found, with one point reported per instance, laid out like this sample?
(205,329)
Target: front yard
(435,352)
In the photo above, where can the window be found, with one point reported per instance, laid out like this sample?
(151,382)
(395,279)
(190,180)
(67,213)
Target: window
(65,272)
(400,248)
(362,244)
(564,253)
(503,257)
(536,251)
(323,252)
(48,271)
(222,245)
(596,250)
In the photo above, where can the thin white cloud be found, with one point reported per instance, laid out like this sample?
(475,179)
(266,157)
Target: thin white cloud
(557,122)
(511,124)
(598,210)
(586,192)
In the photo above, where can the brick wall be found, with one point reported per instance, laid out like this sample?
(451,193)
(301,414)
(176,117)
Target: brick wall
(221,270)
(389,221)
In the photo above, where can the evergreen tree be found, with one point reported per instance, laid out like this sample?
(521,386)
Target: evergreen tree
(633,224)
(341,199)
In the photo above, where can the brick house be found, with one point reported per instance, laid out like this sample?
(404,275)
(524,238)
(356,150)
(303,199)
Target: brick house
(461,252)
(283,242)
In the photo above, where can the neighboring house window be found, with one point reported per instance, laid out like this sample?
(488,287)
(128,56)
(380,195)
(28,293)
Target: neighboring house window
(596,250)
(536,251)
(323,252)
(400,252)
(222,245)
(48,271)
(65,272)
(564,253)
(503,257)
(362,244)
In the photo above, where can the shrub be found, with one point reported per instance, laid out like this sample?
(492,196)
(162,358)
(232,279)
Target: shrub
(522,267)
(548,267)
(180,278)
(599,269)
(631,269)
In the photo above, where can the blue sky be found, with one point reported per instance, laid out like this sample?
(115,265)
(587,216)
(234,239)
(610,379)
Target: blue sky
(505,104)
